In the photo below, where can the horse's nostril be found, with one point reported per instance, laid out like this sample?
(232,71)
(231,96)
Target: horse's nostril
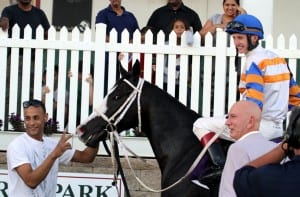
(80,131)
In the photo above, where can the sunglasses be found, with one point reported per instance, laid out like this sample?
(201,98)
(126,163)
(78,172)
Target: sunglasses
(237,26)
(35,103)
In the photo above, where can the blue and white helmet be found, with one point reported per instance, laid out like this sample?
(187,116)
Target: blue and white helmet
(246,24)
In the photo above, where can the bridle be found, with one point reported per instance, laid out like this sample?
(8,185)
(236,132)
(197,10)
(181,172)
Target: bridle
(111,127)
(115,118)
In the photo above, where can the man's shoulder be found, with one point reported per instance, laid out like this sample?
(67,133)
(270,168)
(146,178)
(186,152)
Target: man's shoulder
(37,9)
(126,12)
(244,142)
(19,140)
(259,53)
(188,9)
(161,9)
(11,8)
(105,10)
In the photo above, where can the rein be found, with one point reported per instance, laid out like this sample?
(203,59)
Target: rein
(111,127)
(114,135)
(120,113)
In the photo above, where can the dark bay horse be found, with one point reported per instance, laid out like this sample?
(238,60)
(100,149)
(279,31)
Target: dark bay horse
(166,122)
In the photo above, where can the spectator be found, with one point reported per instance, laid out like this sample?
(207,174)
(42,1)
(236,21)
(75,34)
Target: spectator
(266,176)
(115,16)
(243,121)
(46,90)
(259,84)
(179,26)
(162,18)
(33,159)
(23,13)
(231,10)
(89,80)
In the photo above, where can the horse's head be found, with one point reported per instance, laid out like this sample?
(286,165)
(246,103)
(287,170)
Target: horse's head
(116,111)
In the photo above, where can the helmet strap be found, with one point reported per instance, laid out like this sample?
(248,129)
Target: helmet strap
(250,45)
(237,64)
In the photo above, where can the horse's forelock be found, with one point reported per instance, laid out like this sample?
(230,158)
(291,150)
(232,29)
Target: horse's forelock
(103,106)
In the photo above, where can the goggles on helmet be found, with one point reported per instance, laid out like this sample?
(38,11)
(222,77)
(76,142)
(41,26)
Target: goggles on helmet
(240,27)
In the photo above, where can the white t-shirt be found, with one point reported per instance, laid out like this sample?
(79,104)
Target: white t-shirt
(25,149)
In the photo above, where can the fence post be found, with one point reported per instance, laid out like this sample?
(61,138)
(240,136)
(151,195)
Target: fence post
(99,67)
(3,68)
(220,73)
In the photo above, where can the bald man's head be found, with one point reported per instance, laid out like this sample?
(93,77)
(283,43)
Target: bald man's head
(243,117)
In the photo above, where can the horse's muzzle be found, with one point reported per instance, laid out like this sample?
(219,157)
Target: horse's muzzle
(92,130)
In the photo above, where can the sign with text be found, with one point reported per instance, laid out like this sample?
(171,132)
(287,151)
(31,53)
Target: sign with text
(77,184)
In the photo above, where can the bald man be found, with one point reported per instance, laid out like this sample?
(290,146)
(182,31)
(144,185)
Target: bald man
(243,123)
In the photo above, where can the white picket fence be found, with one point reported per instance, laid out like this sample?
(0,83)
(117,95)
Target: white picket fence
(66,47)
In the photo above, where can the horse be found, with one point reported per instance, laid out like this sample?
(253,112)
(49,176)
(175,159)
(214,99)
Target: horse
(166,122)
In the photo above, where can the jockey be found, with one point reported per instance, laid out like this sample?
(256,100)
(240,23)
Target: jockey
(265,80)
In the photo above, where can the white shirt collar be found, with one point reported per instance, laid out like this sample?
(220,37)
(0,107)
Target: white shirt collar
(247,134)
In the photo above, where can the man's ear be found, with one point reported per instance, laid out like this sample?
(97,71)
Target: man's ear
(254,39)
(251,122)
(46,117)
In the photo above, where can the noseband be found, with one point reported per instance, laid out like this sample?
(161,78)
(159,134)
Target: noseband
(113,120)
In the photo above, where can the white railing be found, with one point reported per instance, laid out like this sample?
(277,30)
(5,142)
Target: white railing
(66,48)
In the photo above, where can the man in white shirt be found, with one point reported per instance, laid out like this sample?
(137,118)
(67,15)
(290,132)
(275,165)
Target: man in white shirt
(243,122)
(33,159)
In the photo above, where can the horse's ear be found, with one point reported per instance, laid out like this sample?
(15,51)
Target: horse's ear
(136,69)
(122,70)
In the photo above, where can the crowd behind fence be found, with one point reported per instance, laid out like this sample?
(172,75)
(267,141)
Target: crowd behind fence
(212,82)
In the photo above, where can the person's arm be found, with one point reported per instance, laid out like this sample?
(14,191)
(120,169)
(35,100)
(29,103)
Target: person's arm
(89,79)
(241,10)
(5,18)
(210,27)
(4,23)
(86,156)
(33,177)
(274,156)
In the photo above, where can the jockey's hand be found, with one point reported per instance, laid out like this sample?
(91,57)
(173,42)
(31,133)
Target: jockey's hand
(4,23)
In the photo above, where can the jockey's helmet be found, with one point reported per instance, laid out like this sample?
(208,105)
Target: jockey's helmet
(246,24)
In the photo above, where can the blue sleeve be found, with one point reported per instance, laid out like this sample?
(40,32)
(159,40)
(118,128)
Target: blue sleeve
(242,182)
(101,17)
(255,85)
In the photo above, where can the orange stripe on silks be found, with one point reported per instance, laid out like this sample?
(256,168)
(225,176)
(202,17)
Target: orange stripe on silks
(294,100)
(271,62)
(294,90)
(242,90)
(255,94)
(243,77)
(254,78)
(277,78)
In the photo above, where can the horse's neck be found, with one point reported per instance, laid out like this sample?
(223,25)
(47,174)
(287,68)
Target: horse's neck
(168,125)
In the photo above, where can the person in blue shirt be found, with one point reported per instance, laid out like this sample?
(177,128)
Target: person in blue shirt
(269,175)
(115,16)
